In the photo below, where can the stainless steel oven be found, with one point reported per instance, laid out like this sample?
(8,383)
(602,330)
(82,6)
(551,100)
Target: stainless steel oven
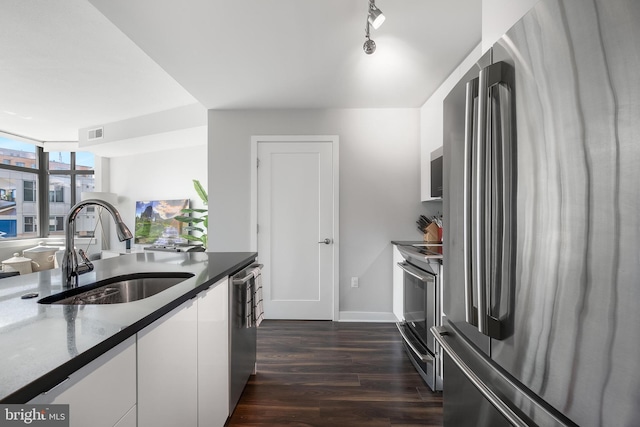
(421,310)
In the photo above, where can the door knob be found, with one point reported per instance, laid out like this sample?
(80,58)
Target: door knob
(326,241)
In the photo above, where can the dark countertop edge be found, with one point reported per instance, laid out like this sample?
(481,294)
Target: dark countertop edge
(406,242)
(61,373)
(414,242)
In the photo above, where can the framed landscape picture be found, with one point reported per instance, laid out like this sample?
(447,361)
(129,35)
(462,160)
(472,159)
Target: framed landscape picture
(156,224)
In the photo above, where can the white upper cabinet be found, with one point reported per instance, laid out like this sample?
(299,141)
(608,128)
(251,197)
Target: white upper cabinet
(431,123)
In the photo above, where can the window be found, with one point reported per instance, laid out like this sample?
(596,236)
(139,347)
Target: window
(30,224)
(56,195)
(37,189)
(29,191)
(56,223)
(70,175)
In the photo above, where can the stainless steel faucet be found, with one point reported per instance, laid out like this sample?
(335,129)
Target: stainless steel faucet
(71,268)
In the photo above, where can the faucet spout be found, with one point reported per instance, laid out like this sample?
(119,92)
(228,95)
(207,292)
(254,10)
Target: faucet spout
(71,267)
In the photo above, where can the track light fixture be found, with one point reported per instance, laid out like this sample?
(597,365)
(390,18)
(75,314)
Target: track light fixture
(375,18)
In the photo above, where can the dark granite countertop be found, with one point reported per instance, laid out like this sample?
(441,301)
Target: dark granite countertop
(39,347)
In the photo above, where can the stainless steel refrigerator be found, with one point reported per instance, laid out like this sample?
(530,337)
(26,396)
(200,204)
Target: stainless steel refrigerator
(542,223)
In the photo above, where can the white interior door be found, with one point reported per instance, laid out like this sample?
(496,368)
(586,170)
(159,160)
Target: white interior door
(296,219)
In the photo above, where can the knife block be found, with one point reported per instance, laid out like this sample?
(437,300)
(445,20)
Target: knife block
(433,234)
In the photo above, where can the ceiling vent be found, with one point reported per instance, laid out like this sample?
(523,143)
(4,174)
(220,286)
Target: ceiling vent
(97,133)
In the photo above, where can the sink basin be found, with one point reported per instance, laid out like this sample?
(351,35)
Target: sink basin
(119,289)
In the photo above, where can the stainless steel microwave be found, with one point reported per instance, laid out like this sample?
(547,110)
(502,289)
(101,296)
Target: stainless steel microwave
(436,173)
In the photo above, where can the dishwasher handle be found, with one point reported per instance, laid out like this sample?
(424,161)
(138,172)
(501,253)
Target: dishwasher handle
(249,276)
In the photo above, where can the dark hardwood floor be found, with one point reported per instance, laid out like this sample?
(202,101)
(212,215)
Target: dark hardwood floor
(334,374)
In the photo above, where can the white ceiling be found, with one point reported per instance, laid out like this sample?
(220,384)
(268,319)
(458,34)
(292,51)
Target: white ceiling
(65,66)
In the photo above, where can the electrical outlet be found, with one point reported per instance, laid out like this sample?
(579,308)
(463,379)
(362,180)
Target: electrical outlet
(354,282)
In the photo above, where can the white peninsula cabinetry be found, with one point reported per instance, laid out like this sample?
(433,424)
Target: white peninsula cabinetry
(213,356)
(102,393)
(168,369)
(174,372)
(183,364)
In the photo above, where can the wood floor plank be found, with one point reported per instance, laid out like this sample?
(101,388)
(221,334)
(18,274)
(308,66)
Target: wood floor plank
(319,373)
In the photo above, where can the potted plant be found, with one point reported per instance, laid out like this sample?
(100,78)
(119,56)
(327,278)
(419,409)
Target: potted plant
(196,223)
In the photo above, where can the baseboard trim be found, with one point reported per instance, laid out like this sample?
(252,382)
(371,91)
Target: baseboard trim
(367,316)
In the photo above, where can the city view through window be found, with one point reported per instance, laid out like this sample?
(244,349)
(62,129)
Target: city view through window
(36,185)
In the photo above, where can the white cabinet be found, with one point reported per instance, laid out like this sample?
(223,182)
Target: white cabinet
(183,364)
(213,355)
(129,420)
(398,280)
(102,393)
(431,122)
(168,369)
(175,372)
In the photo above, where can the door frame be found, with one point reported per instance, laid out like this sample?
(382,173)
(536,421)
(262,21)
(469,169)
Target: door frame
(335,143)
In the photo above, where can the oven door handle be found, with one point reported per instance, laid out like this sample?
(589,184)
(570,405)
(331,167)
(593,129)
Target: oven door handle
(415,272)
(424,357)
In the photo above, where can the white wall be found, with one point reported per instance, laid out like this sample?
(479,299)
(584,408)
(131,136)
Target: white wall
(500,15)
(157,175)
(379,189)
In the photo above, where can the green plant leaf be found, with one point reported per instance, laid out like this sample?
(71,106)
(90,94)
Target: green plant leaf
(188,210)
(201,191)
(194,238)
(198,216)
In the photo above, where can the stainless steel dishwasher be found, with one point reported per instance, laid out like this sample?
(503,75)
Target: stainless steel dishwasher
(242,331)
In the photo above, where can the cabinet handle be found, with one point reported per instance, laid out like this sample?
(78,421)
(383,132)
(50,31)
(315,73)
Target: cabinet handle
(56,386)
(424,357)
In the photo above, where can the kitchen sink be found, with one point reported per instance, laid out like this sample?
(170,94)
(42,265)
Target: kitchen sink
(119,289)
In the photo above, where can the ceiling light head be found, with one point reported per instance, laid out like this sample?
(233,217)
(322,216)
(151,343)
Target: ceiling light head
(376,17)
(369,46)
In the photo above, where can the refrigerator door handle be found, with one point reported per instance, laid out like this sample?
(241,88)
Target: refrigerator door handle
(502,231)
(480,196)
(492,195)
(469,132)
(508,396)
(441,336)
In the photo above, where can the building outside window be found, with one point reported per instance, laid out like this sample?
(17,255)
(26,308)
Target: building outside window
(29,191)
(56,223)
(37,189)
(70,174)
(30,225)
(56,194)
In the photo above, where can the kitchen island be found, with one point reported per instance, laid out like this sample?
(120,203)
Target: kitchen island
(41,345)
